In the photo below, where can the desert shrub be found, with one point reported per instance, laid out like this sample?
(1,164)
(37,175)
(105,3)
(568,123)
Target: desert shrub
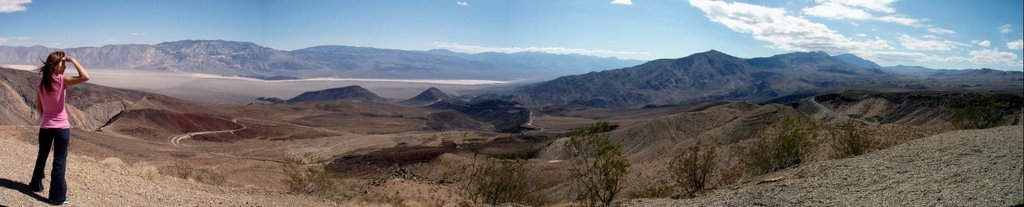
(181,170)
(185,171)
(497,181)
(691,169)
(306,175)
(783,145)
(596,128)
(978,115)
(598,168)
(850,138)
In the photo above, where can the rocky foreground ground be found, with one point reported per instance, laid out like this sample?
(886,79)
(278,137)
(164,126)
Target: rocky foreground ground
(957,168)
(111,182)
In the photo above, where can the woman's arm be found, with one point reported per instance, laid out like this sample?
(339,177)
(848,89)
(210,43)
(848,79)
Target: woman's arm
(82,75)
(39,105)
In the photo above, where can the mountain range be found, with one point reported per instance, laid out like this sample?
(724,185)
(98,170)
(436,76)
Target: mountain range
(714,75)
(249,59)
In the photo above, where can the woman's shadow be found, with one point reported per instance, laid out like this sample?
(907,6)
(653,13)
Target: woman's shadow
(21,187)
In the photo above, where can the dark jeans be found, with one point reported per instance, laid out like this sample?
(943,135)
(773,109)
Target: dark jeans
(59,138)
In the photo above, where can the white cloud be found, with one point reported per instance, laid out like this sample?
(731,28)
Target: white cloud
(984,43)
(794,33)
(833,10)
(861,10)
(462,3)
(899,20)
(8,6)
(1016,45)
(3,40)
(1005,29)
(883,6)
(861,35)
(982,56)
(137,34)
(927,44)
(781,30)
(622,2)
(554,50)
(988,56)
(937,30)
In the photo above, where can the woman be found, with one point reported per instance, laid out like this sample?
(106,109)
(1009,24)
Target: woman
(54,127)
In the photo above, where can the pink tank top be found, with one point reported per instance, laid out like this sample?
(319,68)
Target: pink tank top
(54,113)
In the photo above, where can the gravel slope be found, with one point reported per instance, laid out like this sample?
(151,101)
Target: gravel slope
(110,182)
(957,168)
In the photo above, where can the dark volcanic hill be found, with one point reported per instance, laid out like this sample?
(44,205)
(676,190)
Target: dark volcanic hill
(430,96)
(252,60)
(347,93)
(505,116)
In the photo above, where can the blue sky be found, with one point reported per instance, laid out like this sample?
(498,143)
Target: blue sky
(937,34)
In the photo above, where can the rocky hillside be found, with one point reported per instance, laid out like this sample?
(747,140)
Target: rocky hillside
(93,107)
(89,106)
(957,168)
(931,109)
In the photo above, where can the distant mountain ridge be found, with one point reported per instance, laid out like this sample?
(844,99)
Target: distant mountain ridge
(924,72)
(249,59)
(714,75)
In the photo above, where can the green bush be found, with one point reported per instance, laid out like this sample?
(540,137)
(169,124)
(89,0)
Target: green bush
(850,139)
(781,146)
(497,181)
(185,171)
(598,169)
(691,169)
(978,115)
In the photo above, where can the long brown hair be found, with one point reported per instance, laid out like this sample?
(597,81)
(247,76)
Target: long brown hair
(49,67)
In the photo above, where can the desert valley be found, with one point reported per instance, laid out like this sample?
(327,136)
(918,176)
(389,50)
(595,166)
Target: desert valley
(417,151)
(513,103)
